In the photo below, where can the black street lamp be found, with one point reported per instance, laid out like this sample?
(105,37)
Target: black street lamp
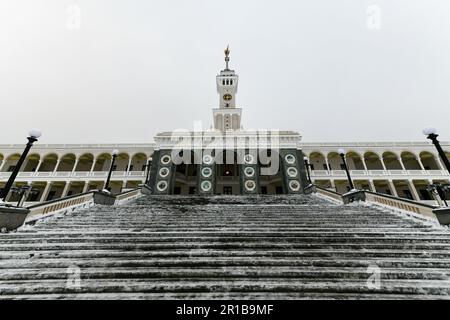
(307,165)
(431,134)
(147,167)
(342,154)
(33,137)
(114,154)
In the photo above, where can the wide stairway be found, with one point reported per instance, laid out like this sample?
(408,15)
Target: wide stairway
(273,247)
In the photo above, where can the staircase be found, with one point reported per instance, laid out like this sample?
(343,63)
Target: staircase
(269,247)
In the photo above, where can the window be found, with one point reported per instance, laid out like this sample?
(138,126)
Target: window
(192,190)
(227,190)
(223,82)
(279,190)
(177,190)
(231,81)
(264,190)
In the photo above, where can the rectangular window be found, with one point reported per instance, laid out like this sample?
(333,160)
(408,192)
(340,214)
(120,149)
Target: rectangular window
(227,190)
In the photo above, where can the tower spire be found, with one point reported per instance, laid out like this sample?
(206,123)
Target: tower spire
(227,56)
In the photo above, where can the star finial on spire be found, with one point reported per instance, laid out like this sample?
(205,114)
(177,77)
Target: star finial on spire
(227,56)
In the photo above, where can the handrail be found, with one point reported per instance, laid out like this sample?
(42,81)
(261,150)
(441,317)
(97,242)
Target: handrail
(328,193)
(128,195)
(385,200)
(49,208)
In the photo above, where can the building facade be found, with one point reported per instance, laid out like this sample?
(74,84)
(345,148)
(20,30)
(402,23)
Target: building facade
(227,159)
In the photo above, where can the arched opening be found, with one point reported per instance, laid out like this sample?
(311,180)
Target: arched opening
(391,161)
(10,162)
(103,162)
(271,183)
(138,162)
(317,161)
(122,162)
(85,163)
(66,163)
(428,161)
(410,161)
(227,172)
(186,175)
(31,162)
(335,161)
(373,161)
(354,161)
(49,163)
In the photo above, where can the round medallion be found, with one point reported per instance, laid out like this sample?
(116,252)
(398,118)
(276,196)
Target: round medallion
(206,172)
(207,159)
(206,185)
(248,159)
(294,185)
(289,158)
(162,185)
(292,172)
(250,185)
(249,171)
(227,97)
(166,159)
(164,172)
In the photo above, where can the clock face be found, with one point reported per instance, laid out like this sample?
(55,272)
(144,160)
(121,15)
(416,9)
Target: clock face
(227,97)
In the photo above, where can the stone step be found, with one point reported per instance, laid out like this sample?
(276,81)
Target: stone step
(206,273)
(432,287)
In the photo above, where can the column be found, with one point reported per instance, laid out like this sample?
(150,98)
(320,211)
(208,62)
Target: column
(46,191)
(57,165)
(333,185)
(328,165)
(3,164)
(420,163)
(74,166)
(392,187)
(401,163)
(413,190)
(85,187)
(372,186)
(439,163)
(39,165)
(66,189)
(382,163)
(364,164)
(129,165)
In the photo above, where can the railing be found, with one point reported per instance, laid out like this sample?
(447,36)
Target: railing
(75,174)
(386,201)
(66,204)
(400,203)
(128,196)
(340,173)
(328,193)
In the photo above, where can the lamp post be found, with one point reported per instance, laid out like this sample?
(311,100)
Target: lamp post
(33,137)
(147,166)
(342,154)
(431,134)
(114,154)
(305,159)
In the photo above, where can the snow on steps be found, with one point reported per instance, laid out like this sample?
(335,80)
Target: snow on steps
(268,247)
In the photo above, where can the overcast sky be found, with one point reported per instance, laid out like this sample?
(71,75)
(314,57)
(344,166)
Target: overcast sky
(103,71)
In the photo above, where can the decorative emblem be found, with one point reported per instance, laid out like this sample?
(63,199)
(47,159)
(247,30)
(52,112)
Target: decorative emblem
(289,158)
(249,172)
(164,172)
(250,185)
(292,172)
(206,186)
(162,185)
(166,159)
(207,159)
(249,159)
(227,97)
(206,172)
(294,185)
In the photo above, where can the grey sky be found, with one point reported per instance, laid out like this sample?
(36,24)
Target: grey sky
(134,68)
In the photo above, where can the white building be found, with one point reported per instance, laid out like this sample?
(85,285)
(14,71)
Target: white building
(398,168)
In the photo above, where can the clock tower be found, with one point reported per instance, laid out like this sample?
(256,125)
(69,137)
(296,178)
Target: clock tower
(227,116)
